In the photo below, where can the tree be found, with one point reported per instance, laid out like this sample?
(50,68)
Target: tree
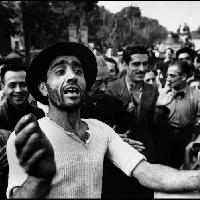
(48,21)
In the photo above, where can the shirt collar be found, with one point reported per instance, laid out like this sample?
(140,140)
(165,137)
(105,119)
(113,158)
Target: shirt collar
(129,84)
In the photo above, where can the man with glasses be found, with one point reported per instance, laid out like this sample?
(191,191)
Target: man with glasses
(184,112)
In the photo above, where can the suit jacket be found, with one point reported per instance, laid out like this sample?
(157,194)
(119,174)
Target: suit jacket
(142,125)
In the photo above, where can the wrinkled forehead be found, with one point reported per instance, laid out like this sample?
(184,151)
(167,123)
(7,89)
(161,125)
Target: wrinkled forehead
(139,57)
(64,59)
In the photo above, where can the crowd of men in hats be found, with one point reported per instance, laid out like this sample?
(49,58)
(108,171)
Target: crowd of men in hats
(74,124)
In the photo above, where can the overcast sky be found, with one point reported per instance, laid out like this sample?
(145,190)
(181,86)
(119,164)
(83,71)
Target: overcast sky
(169,13)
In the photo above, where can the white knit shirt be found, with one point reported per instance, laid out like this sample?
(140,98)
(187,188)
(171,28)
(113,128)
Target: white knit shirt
(79,165)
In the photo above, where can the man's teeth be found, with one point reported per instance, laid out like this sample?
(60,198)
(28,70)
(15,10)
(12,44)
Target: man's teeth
(71,90)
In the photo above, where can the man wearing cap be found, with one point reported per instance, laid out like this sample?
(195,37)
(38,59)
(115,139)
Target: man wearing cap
(61,155)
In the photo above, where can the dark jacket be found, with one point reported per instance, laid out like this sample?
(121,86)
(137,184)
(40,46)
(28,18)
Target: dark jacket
(143,125)
(107,109)
(9,115)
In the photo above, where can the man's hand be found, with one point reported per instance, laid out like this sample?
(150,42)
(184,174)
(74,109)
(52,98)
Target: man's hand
(166,95)
(134,143)
(33,149)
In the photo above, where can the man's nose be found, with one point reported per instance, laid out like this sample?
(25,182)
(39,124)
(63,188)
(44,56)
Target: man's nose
(18,88)
(151,81)
(141,67)
(70,75)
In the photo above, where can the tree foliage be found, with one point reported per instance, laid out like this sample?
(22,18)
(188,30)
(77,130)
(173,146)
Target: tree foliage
(48,21)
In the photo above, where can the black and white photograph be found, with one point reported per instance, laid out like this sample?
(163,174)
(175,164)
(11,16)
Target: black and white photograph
(100,99)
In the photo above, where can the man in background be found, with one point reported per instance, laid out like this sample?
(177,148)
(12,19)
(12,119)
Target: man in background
(16,104)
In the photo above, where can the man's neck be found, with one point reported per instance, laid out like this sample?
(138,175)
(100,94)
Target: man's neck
(136,85)
(69,121)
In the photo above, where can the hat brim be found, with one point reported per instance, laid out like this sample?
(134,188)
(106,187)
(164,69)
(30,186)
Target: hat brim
(37,70)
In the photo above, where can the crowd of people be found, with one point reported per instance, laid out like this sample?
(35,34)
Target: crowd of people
(74,124)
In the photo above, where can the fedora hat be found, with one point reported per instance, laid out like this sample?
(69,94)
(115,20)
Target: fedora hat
(37,70)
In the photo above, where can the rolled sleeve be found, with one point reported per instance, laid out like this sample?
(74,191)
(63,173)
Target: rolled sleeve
(124,156)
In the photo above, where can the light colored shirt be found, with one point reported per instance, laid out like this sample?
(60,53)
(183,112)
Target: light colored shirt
(185,109)
(79,164)
(135,96)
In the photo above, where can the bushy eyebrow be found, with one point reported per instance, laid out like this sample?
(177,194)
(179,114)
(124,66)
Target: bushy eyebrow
(57,63)
(63,62)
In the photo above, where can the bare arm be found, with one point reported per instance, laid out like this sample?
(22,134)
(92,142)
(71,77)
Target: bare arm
(32,188)
(166,179)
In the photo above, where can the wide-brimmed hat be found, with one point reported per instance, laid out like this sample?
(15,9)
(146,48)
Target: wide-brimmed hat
(37,70)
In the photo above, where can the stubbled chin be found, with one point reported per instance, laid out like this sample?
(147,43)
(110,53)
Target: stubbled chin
(18,102)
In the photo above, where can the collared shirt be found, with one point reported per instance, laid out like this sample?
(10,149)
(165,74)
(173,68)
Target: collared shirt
(130,85)
(135,95)
(185,108)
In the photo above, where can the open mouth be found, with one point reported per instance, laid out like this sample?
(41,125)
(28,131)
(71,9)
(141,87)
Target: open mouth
(71,91)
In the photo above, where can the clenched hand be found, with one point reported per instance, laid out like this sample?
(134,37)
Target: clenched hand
(34,151)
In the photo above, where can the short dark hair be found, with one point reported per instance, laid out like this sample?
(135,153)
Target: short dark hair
(172,50)
(183,66)
(151,70)
(11,67)
(111,60)
(130,50)
(192,53)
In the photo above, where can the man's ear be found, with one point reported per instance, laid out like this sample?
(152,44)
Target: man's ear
(184,77)
(2,85)
(43,89)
